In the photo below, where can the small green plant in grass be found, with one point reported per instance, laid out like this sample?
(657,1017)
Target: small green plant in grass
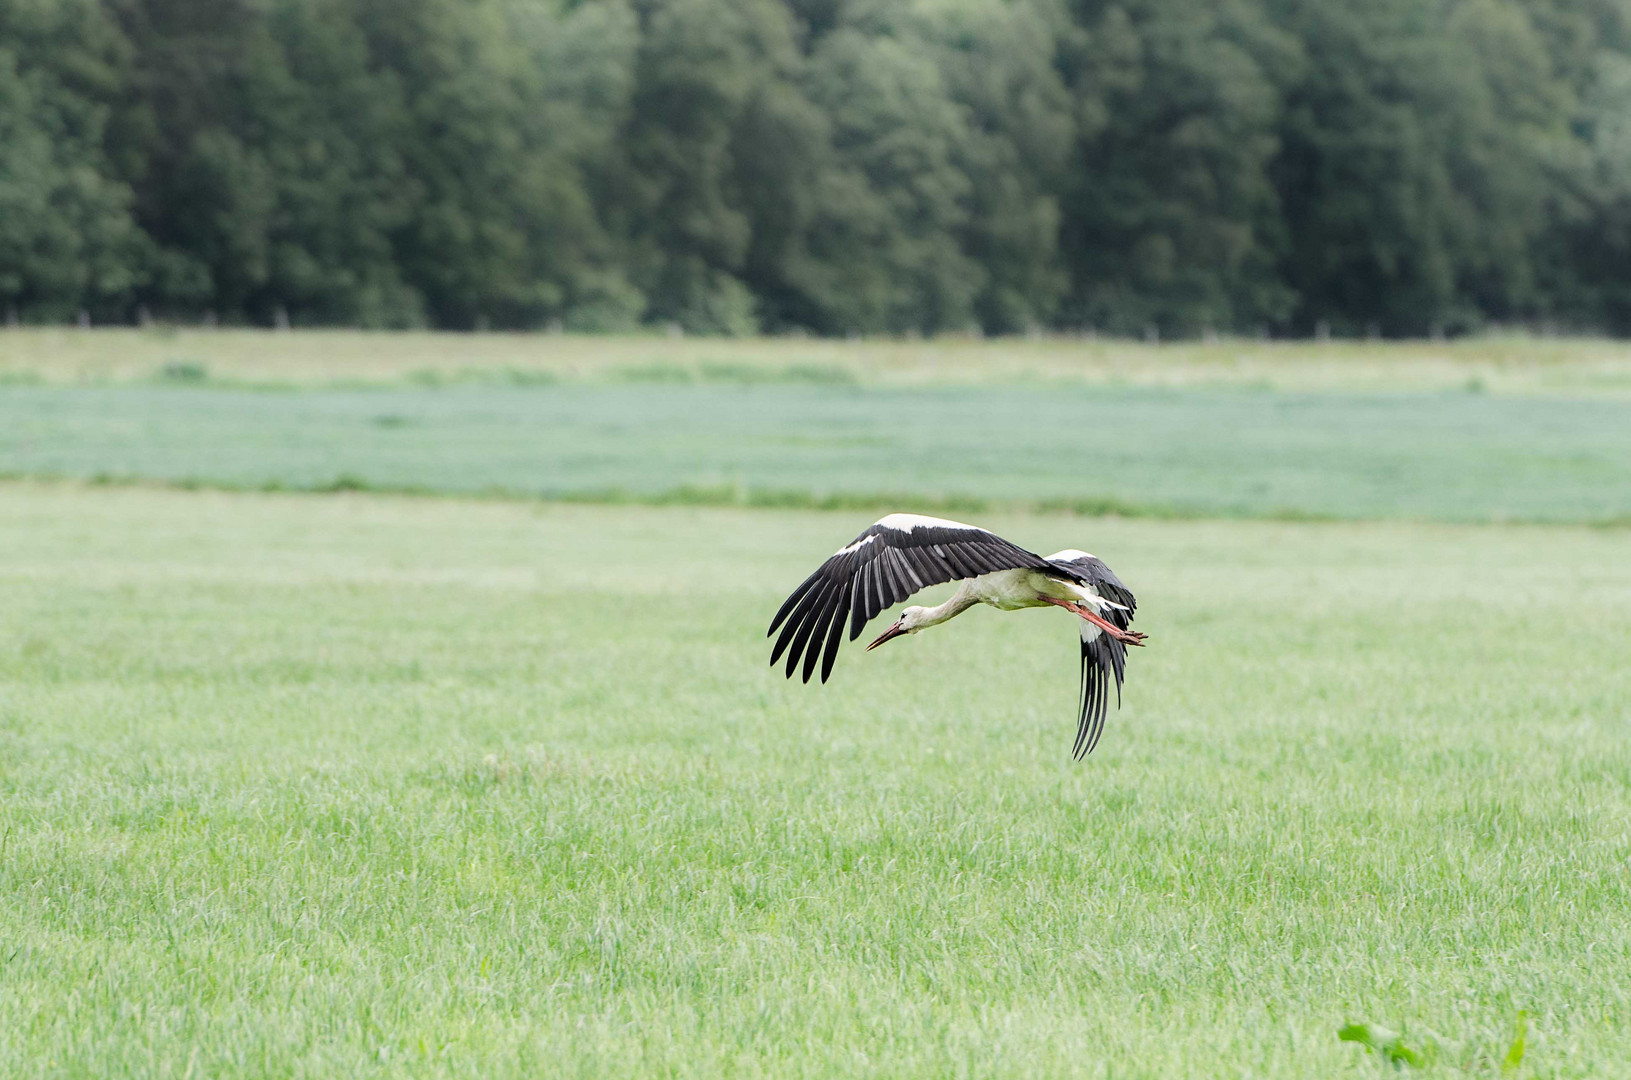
(1391,1046)
(1387,1043)
(1514,1053)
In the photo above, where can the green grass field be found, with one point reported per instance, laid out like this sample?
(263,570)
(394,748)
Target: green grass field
(360,784)
(371,786)
(1241,452)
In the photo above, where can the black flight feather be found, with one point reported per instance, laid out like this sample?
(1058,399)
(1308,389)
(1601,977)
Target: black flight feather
(829,613)
(791,601)
(818,627)
(835,634)
(809,601)
(807,626)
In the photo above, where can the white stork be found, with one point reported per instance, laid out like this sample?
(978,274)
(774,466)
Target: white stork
(903,553)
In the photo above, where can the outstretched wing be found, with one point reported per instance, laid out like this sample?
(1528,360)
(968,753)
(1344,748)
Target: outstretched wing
(887,563)
(1103,658)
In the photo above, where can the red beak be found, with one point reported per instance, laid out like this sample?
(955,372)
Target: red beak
(893,631)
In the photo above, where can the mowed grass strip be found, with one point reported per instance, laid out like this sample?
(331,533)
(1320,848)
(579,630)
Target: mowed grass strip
(1509,363)
(1151,452)
(371,786)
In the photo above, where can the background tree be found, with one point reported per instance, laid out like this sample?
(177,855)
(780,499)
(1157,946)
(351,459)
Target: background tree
(1173,219)
(838,166)
(68,241)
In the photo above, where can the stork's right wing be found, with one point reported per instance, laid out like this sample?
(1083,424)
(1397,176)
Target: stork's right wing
(1103,658)
(887,563)
(1091,570)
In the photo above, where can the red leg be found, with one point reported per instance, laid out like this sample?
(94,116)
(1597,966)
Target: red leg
(1126,637)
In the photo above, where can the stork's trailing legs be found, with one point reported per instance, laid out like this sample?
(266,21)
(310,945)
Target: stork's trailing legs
(1126,637)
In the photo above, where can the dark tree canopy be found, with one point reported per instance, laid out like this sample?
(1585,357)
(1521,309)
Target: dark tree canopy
(832,166)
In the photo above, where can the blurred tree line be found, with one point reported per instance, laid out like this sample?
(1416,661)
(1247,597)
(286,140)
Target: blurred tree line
(877,166)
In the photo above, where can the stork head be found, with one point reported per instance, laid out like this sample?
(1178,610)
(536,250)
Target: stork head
(910,622)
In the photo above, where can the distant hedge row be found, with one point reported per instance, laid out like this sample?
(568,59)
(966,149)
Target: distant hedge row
(838,166)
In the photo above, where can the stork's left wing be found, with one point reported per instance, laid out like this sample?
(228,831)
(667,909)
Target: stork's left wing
(891,560)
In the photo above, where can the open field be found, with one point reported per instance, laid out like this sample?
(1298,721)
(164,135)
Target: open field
(368,785)
(371,786)
(1240,452)
(1472,431)
(1510,364)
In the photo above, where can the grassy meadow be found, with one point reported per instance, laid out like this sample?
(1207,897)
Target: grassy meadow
(1234,451)
(361,784)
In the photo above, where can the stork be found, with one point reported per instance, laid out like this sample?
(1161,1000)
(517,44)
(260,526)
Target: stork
(903,553)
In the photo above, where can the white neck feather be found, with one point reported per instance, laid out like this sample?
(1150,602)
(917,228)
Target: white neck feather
(960,601)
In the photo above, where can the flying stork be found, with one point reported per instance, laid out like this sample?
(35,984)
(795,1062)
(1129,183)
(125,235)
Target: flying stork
(903,553)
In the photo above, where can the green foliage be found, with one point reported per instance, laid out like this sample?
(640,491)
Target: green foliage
(1173,220)
(839,166)
(67,238)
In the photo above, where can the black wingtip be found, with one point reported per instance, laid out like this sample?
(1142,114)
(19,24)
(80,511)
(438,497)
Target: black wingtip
(793,601)
(836,634)
(1102,660)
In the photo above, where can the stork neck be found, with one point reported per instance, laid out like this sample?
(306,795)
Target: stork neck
(960,601)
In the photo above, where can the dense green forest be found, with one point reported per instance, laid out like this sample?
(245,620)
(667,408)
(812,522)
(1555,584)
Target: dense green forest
(1394,167)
